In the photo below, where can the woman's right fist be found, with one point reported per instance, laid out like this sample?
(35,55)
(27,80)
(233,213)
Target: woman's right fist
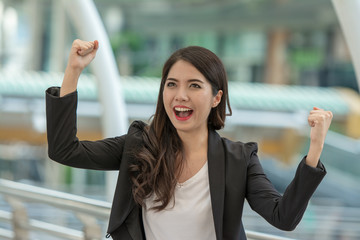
(82,53)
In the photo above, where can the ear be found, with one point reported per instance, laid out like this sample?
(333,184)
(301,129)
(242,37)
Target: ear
(217,98)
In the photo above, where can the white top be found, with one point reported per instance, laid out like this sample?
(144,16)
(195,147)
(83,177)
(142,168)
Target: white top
(189,218)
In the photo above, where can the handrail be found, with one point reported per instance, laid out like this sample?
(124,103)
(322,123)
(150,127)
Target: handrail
(262,236)
(72,202)
(86,209)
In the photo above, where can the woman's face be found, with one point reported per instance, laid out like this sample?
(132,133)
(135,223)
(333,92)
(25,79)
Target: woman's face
(188,98)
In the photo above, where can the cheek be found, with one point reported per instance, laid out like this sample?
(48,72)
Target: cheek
(206,104)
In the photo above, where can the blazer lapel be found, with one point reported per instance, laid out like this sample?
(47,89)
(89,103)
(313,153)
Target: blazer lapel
(216,165)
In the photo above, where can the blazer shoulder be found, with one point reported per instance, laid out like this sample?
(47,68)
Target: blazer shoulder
(240,149)
(135,135)
(137,127)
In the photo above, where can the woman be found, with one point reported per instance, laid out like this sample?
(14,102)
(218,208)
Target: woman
(178,178)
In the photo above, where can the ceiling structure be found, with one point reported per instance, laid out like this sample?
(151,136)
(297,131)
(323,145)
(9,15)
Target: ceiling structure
(179,16)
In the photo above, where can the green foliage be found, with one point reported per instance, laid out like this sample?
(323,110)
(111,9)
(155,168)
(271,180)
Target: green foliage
(307,58)
(67,175)
(128,40)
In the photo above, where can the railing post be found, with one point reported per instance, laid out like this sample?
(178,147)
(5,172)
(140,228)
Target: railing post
(19,219)
(91,229)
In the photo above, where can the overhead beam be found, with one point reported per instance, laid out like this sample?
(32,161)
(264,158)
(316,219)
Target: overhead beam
(231,15)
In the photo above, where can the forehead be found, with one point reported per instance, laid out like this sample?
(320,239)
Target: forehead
(182,70)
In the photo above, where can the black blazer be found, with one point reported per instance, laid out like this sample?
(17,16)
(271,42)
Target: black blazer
(235,173)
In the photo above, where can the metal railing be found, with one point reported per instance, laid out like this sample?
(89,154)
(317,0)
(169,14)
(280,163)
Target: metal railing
(88,211)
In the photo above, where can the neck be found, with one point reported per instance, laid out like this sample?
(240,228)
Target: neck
(194,141)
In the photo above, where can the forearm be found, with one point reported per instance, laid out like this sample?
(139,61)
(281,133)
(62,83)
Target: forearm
(314,153)
(295,199)
(70,81)
(61,122)
(282,212)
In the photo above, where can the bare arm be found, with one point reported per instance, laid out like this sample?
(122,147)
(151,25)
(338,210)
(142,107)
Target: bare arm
(81,54)
(319,121)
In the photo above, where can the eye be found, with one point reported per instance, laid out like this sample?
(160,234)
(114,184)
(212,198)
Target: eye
(170,84)
(195,85)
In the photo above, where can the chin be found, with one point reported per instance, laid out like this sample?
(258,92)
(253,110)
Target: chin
(187,129)
(181,126)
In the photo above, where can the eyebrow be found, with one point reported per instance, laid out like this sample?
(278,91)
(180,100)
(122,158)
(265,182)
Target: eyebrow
(190,80)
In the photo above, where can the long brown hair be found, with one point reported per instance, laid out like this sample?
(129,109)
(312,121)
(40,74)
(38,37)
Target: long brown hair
(155,171)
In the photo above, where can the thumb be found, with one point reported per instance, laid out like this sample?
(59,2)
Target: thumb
(96,44)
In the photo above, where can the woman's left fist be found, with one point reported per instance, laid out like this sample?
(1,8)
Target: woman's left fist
(319,121)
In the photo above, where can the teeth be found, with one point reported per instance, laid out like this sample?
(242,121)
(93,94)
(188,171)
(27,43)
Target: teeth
(182,109)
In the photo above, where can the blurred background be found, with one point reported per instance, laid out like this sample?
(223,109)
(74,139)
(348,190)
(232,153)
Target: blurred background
(282,58)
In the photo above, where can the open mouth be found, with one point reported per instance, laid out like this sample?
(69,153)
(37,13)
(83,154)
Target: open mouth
(183,113)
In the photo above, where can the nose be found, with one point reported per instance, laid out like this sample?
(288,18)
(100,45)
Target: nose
(181,95)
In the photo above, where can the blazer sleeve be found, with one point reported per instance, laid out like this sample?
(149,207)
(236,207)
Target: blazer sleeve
(282,211)
(64,146)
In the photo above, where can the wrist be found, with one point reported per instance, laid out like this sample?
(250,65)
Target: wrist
(312,161)
(73,70)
